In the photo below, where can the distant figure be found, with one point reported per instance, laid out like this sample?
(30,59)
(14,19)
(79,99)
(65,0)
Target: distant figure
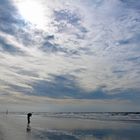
(28,117)
(7,112)
(28,129)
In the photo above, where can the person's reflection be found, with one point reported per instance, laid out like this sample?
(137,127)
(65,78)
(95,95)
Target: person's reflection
(28,128)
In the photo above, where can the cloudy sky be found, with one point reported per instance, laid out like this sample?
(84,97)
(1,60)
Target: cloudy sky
(70,55)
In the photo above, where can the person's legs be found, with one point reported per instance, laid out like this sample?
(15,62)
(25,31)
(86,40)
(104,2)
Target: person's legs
(28,120)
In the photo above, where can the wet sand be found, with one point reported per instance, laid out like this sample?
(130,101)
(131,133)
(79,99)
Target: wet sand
(13,127)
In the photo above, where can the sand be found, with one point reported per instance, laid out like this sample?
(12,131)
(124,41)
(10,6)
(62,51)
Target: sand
(14,127)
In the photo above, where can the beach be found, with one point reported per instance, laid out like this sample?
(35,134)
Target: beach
(14,127)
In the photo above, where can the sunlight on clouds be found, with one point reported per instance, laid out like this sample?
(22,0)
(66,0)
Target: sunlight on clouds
(33,12)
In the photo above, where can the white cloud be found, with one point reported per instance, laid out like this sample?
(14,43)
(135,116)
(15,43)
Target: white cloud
(90,38)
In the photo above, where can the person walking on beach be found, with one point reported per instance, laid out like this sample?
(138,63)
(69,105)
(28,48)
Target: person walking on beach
(28,129)
(28,117)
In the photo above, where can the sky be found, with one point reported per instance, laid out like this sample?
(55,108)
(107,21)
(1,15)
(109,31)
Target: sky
(70,55)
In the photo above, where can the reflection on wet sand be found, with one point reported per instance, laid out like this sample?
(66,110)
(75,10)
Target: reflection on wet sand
(74,129)
(28,129)
(48,128)
(88,135)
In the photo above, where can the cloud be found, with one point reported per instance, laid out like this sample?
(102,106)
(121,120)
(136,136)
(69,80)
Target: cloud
(131,4)
(87,50)
(64,87)
(9,17)
(8,48)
